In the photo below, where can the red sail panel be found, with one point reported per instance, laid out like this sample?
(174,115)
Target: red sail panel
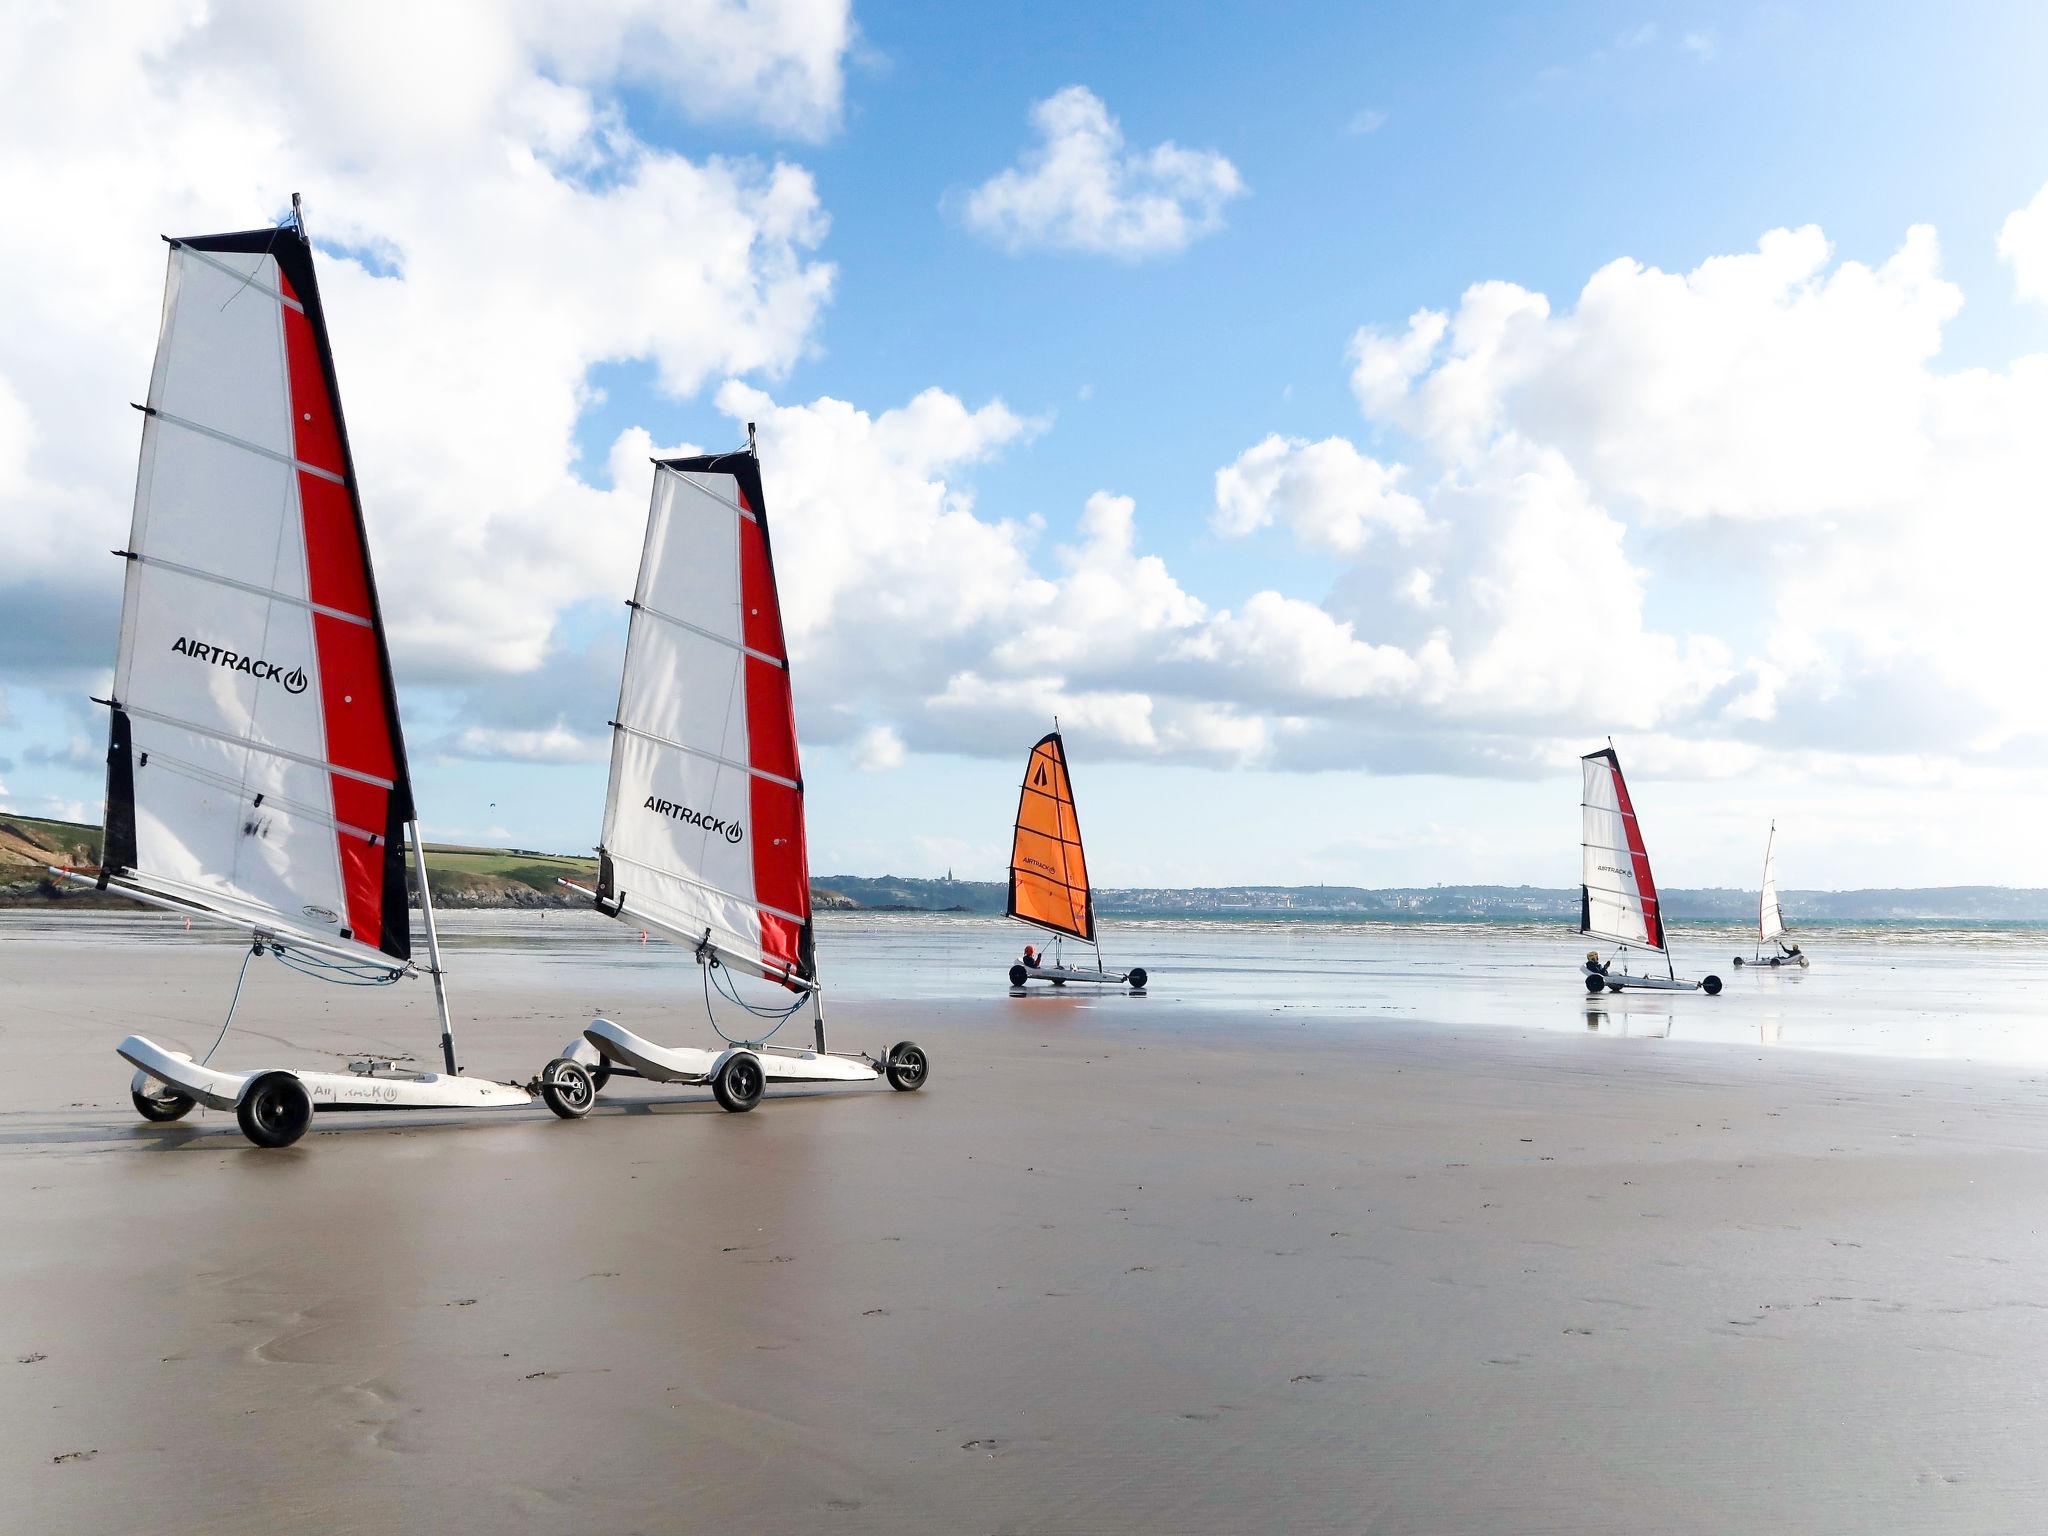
(781,861)
(355,707)
(1639,859)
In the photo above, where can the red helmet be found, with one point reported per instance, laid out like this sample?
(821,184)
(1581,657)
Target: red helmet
(1029,950)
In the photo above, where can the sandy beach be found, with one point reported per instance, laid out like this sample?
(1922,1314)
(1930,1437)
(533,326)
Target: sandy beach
(1118,1268)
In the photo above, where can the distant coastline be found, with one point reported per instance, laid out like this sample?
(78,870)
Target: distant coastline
(513,878)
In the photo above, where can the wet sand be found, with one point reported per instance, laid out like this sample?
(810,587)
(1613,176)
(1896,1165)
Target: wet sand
(1118,1268)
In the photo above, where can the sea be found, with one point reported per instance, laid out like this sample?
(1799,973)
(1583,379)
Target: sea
(1918,989)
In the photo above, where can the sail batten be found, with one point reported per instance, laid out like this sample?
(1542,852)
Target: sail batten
(1617,893)
(248,447)
(1048,869)
(255,763)
(704,818)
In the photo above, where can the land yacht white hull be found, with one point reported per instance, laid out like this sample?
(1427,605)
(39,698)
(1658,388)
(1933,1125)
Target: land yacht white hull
(172,1082)
(1627,981)
(1060,975)
(735,1074)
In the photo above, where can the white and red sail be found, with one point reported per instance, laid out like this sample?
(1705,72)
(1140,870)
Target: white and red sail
(704,818)
(1617,893)
(255,768)
(1770,918)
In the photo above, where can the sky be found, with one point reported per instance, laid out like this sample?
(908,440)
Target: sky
(1341,418)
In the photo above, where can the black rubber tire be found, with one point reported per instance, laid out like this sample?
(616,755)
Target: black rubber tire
(568,1088)
(1017,975)
(1711,986)
(739,1082)
(1138,979)
(275,1110)
(1614,986)
(1739,960)
(907,1066)
(1594,984)
(600,1073)
(163,1106)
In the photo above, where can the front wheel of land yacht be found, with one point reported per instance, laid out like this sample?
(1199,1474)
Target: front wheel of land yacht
(1138,979)
(907,1066)
(568,1087)
(161,1107)
(275,1110)
(1711,986)
(1594,984)
(739,1083)
(1017,975)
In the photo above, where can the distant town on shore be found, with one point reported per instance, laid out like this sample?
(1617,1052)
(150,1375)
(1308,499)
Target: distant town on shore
(485,878)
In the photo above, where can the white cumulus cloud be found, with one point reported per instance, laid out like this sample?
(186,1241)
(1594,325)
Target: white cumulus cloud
(1079,188)
(1328,493)
(2023,246)
(491,230)
(878,750)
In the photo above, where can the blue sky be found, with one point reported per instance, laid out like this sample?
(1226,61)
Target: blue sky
(1391,158)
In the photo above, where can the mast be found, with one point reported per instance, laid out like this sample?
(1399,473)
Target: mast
(419,864)
(1763,894)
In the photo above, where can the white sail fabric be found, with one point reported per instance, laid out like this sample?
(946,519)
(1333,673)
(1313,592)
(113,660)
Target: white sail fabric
(703,822)
(1617,893)
(1770,917)
(255,768)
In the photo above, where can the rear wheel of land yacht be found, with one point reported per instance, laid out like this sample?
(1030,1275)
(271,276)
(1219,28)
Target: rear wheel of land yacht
(161,1106)
(1594,984)
(1017,975)
(1711,986)
(568,1088)
(275,1110)
(739,1083)
(1138,979)
(907,1067)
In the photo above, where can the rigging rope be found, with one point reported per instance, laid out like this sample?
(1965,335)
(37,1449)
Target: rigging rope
(730,992)
(346,973)
(240,977)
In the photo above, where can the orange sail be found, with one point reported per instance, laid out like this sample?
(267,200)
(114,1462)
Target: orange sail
(1048,874)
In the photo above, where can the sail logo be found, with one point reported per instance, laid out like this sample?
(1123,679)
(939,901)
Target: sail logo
(263,671)
(1039,781)
(717,826)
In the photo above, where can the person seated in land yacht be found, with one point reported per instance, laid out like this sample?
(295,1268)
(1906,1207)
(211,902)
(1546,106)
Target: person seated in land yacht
(1030,957)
